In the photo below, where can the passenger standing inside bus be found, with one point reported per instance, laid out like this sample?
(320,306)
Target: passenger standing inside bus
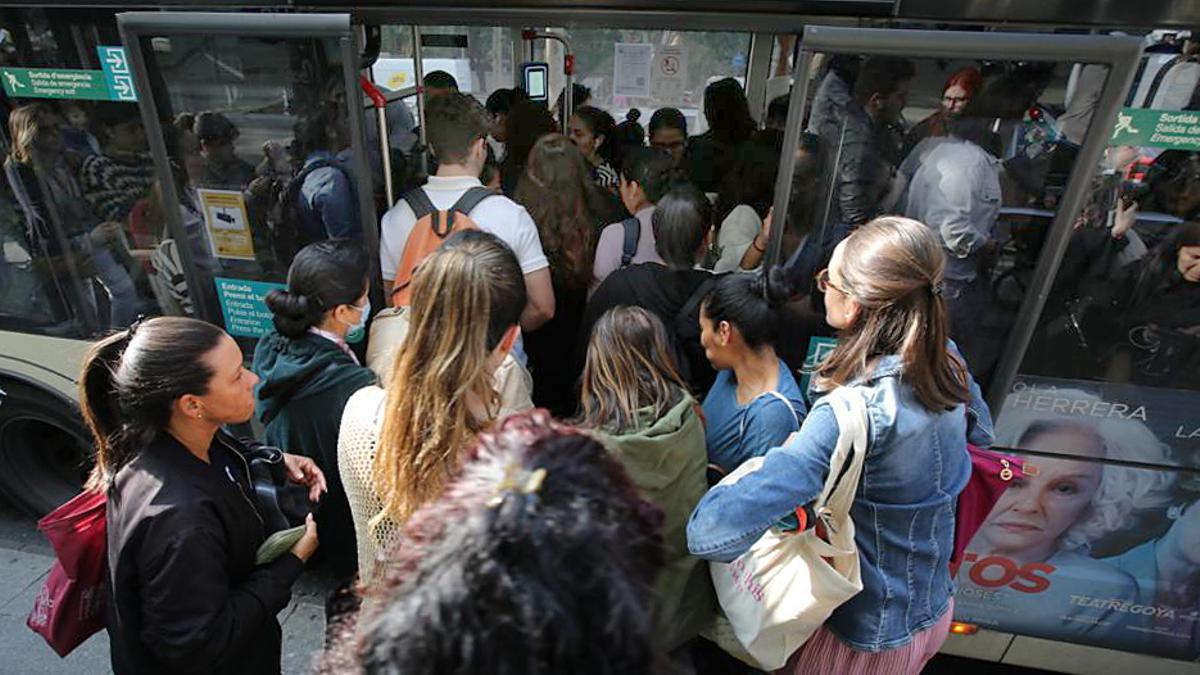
(478,583)
(183,529)
(527,122)
(120,176)
(593,130)
(439,83)
(755,403)
(743,204)
(397,449)
(956,193)
(645,177)
(328,207)
(498,104)
(636,402)
(957,93)
(671,289)
(38,159)
(711,154)
(668,131)
(457,132)
(882,290)
(558,193)
(307,372)
(222,167)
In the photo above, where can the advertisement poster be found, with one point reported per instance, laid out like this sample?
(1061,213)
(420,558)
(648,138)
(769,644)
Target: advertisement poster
(244,306)
(632,63)
(1101,550)
(227,224)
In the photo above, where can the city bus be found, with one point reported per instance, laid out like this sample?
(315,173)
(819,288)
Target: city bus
(177,130)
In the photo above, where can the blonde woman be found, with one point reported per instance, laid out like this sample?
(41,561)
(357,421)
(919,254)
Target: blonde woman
(635,400)
(883,294)
(398,448)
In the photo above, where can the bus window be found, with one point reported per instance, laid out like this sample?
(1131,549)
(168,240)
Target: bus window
(258,137)
(78,247)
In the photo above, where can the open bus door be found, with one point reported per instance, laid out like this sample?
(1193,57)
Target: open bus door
(1070,565)
(239,109)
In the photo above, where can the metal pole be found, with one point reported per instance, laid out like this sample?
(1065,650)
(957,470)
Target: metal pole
(379,102)
(419,70)
(787,163)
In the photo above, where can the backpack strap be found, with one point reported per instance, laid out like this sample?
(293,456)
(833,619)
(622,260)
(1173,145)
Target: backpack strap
(419,202)
(693,302)
(633,232)
(469,200)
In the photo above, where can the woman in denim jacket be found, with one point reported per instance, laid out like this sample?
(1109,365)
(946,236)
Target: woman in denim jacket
(882,292)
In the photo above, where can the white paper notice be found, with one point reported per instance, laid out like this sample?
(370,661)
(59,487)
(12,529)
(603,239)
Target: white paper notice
(631,69)
(670,74)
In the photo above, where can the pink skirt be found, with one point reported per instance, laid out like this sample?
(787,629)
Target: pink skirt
(824,654)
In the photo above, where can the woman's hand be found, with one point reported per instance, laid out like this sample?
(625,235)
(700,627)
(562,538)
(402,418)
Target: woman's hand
(308,541)
(304,471)
(1125,216)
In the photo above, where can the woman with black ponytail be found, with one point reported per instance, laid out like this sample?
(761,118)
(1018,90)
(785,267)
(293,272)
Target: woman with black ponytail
(183,529)
(755,403)
(308,373)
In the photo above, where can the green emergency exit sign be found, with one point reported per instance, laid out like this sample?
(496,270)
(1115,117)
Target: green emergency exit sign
(1170,129)
(56,83)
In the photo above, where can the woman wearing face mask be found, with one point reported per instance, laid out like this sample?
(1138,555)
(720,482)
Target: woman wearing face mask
(399,447)
(308,373)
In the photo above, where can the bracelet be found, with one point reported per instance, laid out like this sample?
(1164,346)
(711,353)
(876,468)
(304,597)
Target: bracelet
(755,245)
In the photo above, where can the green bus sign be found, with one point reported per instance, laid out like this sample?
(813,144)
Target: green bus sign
(1169,129)
(59,83)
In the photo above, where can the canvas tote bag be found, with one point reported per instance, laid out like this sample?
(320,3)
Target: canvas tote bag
(777,594)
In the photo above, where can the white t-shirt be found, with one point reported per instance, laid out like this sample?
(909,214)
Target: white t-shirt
(498,215)
(738,231)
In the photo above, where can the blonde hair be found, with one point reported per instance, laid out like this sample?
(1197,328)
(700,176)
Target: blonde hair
(893,268)
(629,372)
(1124,492)
(465,296)
(24,125)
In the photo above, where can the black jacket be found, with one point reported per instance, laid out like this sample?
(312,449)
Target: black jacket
(186,596)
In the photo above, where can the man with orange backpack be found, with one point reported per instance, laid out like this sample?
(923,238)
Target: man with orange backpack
(453,200)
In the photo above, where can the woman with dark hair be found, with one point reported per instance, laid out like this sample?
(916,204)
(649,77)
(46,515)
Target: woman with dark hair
(634,399)
(539,558)
(668,131)
(646,175)
(557,192)
(594,132)
(711,154)
(883,294)
(628,134)
(183,529)
(743,205)
(755,403)
(671,289)
(526,123)
(307,373)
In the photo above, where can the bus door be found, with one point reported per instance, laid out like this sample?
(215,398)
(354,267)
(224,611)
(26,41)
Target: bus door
(1079,319)
(256,126)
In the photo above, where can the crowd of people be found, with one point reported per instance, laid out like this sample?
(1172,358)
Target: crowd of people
(523,470)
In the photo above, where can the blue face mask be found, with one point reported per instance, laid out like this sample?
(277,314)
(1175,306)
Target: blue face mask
(359,330)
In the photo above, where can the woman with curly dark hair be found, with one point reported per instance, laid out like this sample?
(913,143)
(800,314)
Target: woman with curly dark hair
(538,559)
(557,191)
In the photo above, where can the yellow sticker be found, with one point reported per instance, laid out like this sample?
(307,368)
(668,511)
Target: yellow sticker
(227,224)
(397,80)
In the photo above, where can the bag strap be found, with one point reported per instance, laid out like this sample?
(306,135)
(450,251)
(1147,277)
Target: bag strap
(633,232)
(418,201)
(845,466)
(781,397)
(469,200)
(694,300)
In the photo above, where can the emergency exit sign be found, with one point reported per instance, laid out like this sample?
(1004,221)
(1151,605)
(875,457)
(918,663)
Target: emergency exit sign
(1169,129)
(55,83)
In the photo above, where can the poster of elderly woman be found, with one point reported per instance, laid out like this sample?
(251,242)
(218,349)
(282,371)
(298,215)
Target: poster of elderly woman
(1094,544)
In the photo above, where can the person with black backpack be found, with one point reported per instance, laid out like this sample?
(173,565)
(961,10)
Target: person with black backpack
(646,174)
(671,289)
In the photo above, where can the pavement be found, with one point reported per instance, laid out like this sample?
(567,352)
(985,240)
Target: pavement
(26,558)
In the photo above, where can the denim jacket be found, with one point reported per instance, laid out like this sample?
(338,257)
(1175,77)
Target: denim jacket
(916,465)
